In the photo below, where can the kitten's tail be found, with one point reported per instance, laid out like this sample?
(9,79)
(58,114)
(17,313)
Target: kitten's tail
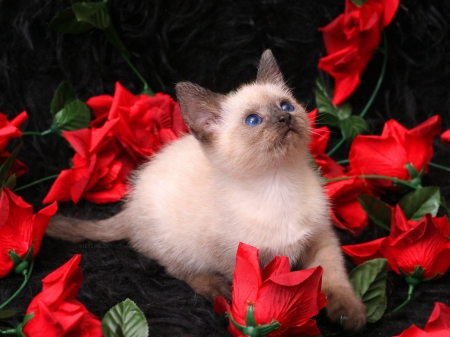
(76,230)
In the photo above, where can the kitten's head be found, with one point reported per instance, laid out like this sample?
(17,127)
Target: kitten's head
(259,126)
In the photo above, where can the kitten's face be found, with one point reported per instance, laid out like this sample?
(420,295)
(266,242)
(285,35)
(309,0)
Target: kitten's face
(259,127)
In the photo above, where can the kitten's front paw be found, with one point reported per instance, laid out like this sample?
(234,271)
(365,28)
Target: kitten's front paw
(346,308)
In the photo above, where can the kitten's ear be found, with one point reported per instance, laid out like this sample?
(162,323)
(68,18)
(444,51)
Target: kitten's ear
(200,109)
(268,71)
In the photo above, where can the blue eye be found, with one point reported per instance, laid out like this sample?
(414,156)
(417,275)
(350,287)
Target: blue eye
(253,120)
(286,106)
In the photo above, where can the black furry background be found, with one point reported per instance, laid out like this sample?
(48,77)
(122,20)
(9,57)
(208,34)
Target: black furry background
(216,44)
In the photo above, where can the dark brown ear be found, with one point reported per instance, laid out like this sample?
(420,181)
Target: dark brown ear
(268,71)
(200,109)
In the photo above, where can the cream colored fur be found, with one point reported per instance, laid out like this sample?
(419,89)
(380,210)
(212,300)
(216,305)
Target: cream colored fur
(227,183)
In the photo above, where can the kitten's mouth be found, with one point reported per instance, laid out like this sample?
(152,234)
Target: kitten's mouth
(289,133)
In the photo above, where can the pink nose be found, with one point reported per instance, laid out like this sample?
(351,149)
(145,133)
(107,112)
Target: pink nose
(285,118)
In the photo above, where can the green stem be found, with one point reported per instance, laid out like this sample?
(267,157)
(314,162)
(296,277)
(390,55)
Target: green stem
(445,168)
(37,133)
(380,79)
(8,332)
(343,161)
(114,38)
(337,146)
(26,274)
(408,299)
(396,181)
(36,182)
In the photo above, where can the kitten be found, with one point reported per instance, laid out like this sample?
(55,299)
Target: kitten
(242,175)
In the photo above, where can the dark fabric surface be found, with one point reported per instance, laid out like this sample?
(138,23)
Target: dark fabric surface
(216,44)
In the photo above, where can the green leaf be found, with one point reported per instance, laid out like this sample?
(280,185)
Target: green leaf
(328,120)
(378,312)
(66,22)
(125,320)
(75,115)
(94,13)
(369,282)
(324,105)
(377,210)
(5,168)
(338,115)
(63,95)
(352,126)
(421,201)
(323,99)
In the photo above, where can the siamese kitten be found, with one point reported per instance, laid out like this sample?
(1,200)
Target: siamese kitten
(242,175)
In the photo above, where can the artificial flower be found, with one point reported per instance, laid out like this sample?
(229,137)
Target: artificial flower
(18,168)
(438,324)
(389,154)
(145,123)
(347,212)
(20,228)
(100,168)
(411,245)
(445,137)
(319,140)
(56,311)
(278,298)
(10,130)
(350,41)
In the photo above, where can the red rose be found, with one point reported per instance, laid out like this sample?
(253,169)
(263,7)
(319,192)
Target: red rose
(20,228)
(411,244)
(445,137)
(57,313)
(100,168)
(389,153)
(347,212)
(438,324)
(10,130)
(318,145)
(350,41)
(18,168)
(145,123)
(279,298)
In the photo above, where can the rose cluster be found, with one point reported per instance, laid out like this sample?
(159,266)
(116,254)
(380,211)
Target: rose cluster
(376,165)
(126,131)
(350,41)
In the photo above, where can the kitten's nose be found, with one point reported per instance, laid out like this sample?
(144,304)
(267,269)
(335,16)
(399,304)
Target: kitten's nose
(285,118)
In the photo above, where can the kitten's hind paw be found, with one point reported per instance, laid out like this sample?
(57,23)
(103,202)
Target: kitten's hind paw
(210,285)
